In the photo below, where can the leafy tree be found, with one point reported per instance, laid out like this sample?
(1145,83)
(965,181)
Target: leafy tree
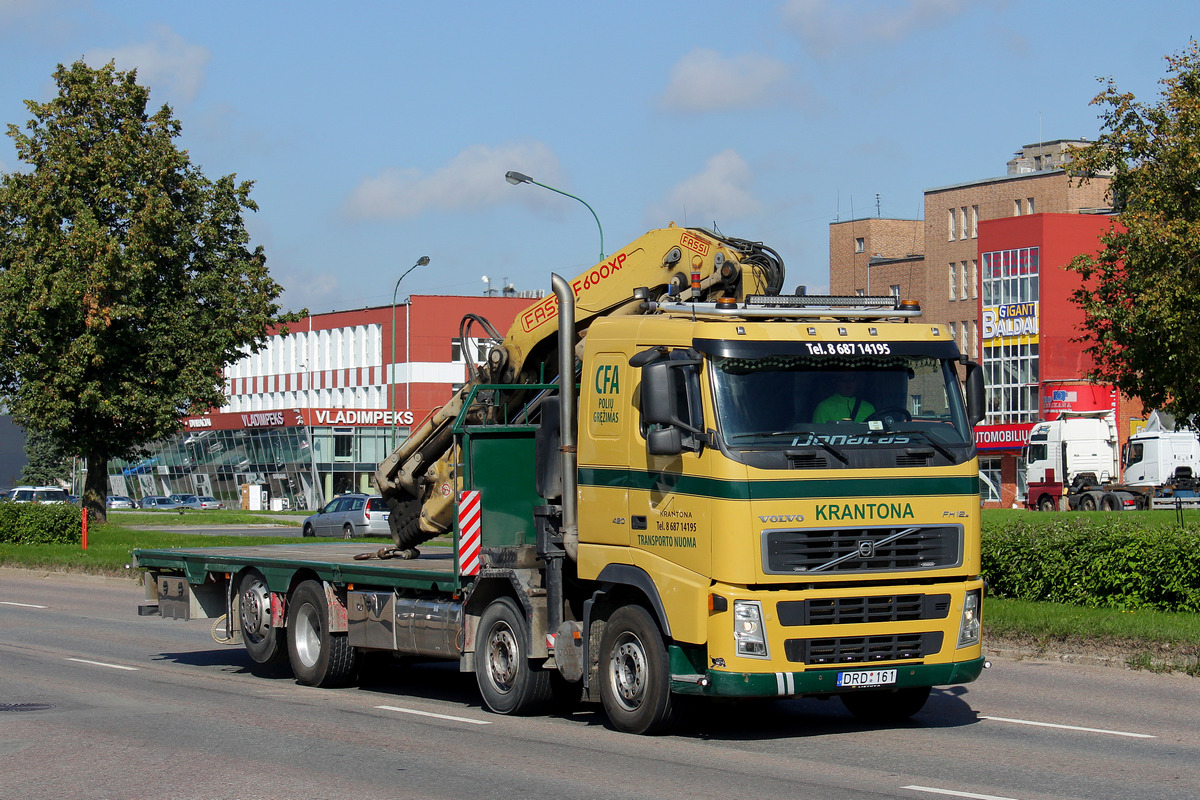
(1141,293)
(126,277)
(48,464)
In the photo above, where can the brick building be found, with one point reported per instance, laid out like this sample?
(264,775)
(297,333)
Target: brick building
(989,259)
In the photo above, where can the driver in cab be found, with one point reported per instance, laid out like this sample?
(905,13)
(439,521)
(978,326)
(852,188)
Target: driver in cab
(844,405)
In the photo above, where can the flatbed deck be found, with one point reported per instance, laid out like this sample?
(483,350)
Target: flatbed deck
(333,562)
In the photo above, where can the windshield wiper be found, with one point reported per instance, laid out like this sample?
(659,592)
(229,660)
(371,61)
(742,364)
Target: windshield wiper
(929,437)
(815,439)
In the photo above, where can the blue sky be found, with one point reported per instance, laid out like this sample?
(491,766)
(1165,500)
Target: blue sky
(378,132)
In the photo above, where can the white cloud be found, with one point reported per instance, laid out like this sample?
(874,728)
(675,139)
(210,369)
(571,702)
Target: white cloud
(472,179)
(828,26)
(719,192)
(166,63)
(705,80)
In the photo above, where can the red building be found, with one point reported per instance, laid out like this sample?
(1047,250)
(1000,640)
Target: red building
(1030,333)
(312,413)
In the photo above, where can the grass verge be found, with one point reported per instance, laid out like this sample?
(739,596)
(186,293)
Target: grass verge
(1159,641)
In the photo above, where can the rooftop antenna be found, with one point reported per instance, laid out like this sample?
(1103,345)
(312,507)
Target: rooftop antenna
(877,213)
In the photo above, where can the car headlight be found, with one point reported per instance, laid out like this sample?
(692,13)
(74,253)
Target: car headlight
(748,629)
(969,625)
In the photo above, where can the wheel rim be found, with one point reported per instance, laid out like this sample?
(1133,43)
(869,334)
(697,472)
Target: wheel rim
(307,635)
(627,671)
(502,655)
(256,611)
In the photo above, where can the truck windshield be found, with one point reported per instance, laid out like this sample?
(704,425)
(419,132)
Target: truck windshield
(841,407)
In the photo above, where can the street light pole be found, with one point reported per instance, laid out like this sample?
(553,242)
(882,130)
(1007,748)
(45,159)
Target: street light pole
(391,376)
(516,178)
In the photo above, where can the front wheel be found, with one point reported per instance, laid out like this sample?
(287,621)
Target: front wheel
(319,658)
(886,706)
(1047,503)
(507,680)
(635,675)
(308,529)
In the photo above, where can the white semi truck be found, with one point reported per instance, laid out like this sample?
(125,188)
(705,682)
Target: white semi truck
(1075,463)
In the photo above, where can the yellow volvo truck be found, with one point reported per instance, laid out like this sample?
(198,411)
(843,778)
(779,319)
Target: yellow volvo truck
(667,479)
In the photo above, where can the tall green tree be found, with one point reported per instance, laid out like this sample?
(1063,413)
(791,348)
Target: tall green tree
(1141,293)
(126,276)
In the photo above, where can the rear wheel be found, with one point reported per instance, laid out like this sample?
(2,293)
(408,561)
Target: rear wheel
(319,658)
(886,706)
(1087,502)
(1110,502)
(635,675)
(264,643)
(507,680)
(347,531)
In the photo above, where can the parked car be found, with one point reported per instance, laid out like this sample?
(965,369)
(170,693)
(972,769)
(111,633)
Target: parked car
(350,516)
(156,502)
(185,500)
(37,494)
(120,501)
(207,502)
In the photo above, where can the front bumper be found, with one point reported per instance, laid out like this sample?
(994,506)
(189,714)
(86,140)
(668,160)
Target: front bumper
(719,683)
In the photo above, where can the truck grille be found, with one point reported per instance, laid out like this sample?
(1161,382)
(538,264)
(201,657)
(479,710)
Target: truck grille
(860,610)
(863,649)
(876,549)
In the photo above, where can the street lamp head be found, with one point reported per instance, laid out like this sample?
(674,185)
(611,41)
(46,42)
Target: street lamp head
(423,261)
(517,177)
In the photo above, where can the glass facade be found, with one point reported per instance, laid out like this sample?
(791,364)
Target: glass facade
(1009,323)
(292,467)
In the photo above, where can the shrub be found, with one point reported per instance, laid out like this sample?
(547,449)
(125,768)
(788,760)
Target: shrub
(34,523)
(1105,561)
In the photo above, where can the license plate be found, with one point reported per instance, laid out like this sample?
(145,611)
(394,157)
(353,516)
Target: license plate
(867,677)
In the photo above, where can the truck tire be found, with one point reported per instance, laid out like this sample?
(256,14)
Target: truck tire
(319,658)
(508,681)
(635,674)
(885,706)
(1110,502)
(1087,502)
(264,643)
(1046,503)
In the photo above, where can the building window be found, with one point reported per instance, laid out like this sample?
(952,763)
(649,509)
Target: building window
(1029,206)
(962,223)
(896,290)
(989,480)
(1010,343)
(974,278)
(1017,207)
(860,244)
(950,226)
(954,331)
(962,285)
(974,222)
(974,339)
(860,292)
(953,281)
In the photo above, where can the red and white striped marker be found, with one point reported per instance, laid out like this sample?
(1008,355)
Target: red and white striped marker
(469,513)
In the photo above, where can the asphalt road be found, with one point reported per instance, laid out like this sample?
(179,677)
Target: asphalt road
(96,702)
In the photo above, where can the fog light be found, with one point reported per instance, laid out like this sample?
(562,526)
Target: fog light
(969,625)
(748,629)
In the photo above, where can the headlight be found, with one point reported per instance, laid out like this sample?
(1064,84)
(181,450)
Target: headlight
(748,629)
(968,626)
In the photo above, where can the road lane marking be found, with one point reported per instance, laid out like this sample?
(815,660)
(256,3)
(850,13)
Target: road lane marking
(953,793)
(1071,727)
(437,716)
(102,664)
(22,605)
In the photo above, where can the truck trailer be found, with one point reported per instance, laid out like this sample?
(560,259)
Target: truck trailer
(640,504)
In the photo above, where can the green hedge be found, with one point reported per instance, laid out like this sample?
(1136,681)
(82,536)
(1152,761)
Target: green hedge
(1101,561)
(35,523)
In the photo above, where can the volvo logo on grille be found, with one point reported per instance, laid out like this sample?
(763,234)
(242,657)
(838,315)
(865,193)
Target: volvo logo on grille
(866,548)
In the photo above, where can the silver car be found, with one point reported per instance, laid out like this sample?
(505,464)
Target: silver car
(350,516)
(185,500)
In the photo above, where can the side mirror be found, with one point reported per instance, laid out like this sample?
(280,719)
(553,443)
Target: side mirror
(976,396)
(664,441)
